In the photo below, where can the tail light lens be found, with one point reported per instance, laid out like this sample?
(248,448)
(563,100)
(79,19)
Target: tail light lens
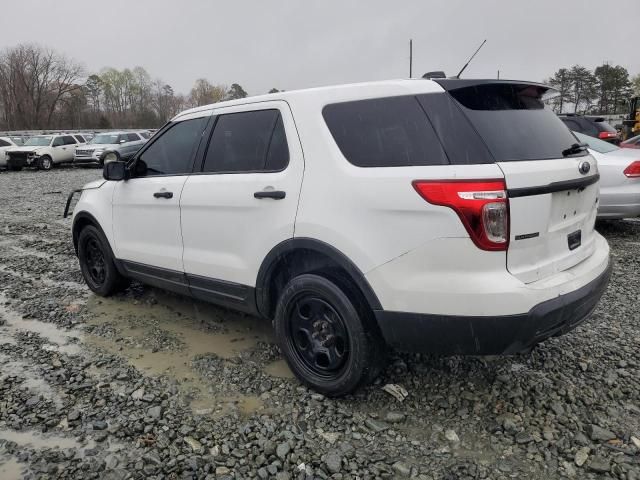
(482,206)
(605,135)
(633,170)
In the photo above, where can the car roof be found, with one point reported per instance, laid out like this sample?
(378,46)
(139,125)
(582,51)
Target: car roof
(386,87)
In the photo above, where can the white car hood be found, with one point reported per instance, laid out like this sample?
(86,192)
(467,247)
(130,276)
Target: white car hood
(93,185)
(25,149)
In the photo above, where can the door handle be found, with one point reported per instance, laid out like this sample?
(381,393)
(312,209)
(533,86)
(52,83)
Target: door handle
(163,194)
(275,194)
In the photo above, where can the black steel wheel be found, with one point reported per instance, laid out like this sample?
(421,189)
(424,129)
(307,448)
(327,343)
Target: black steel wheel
(97,264)
(325,335)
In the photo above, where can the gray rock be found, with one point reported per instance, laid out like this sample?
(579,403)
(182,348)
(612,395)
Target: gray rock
(600,434)
(375,425)
(283,450)
(599,464)
(333,461)
(395,417)
(402,469)
(154,412)
(581,456)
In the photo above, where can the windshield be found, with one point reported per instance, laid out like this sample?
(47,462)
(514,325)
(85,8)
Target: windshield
(596,144)
(105,139)
(38,142)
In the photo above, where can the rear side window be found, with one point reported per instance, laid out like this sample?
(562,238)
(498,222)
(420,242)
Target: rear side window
(132,137)
(80,138)
(513,121)
(247,142)
(384,132)
(69,140)
(460,141)
(4,143)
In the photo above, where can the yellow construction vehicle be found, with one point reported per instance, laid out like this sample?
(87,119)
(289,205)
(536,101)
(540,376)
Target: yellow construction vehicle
(631,124)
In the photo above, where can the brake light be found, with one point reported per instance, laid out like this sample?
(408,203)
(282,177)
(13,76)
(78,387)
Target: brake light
(482,205)
(633,170)
(605,135)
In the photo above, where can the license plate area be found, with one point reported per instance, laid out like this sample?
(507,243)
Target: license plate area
(574,239)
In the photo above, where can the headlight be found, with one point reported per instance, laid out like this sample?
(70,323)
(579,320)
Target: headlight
(98,152)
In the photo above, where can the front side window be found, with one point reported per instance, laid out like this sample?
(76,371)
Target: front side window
(247,142)
(172,152)
(58,142)
(384,132)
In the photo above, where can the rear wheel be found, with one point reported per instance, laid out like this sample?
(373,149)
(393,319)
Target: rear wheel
(45,163)
(97,263)
(325,337)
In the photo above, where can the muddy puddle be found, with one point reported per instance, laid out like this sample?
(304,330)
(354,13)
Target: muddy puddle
(10,469)
(163,333)
(56,338)
(40,441)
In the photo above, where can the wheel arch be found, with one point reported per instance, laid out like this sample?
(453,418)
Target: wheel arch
(81,220)
(305,255)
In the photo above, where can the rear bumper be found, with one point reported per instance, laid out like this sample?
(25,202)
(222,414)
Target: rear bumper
(507,334)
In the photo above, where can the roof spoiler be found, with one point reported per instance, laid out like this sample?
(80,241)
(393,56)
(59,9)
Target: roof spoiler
(546,92)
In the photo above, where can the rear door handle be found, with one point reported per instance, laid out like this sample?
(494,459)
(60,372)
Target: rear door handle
(163,194)
(275,194)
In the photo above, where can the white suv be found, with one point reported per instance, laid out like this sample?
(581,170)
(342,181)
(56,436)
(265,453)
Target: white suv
(44,151)
(447,216)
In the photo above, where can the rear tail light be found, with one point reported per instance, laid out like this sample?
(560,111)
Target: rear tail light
(482,206)
(605,135)
(633,170)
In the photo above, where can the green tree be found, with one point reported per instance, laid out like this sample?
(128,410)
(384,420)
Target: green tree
(235,91)
(635,83)
(204,93)
(562,83)
(614,87)
(584,88)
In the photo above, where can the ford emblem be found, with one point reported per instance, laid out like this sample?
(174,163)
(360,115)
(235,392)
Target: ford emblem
(584,168)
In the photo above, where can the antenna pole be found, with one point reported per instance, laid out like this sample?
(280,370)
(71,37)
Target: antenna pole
(469,61)
(410,58)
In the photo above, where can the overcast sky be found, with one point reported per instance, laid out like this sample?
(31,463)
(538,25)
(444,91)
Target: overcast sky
(291,44)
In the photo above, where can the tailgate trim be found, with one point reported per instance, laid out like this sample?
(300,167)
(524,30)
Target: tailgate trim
(579,183)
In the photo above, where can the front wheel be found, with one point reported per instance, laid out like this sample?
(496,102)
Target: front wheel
(45,163)
(324,337)
(96,262)
(111,157)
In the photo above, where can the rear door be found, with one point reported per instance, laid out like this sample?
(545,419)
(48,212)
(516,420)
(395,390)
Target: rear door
(553,191)
(244,200)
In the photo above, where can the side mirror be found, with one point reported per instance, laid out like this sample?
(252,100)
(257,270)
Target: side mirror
(115,171)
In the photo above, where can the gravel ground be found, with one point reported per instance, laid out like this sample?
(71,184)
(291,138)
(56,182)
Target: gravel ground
(150,385)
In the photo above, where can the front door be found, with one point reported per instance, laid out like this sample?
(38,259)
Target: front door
(146,208)
(243,202)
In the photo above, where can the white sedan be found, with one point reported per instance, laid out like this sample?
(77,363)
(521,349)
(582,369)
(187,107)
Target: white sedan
(5,143)
(619,178)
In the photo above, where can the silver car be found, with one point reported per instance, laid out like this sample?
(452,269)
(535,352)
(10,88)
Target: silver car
(108,147)
(619,178)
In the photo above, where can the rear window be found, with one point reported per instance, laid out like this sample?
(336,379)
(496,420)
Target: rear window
(603,126)
(596,144)
(513,121)
(384,132)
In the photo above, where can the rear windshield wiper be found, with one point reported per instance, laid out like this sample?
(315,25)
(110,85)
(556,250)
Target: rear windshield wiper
(573,149)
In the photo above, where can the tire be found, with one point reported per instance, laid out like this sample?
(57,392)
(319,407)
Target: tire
(45,163)
(97,265)
(326,336)
(111,157)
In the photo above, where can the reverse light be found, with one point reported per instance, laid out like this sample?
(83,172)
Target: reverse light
(482,205)
(633,170)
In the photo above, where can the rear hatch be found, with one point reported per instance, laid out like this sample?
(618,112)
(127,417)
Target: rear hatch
(552,189)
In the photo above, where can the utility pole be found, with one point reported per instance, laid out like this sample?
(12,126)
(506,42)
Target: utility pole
(498,74)
(410,58)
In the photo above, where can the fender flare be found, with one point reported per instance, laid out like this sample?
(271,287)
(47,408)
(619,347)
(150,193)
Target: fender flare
(301,243)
